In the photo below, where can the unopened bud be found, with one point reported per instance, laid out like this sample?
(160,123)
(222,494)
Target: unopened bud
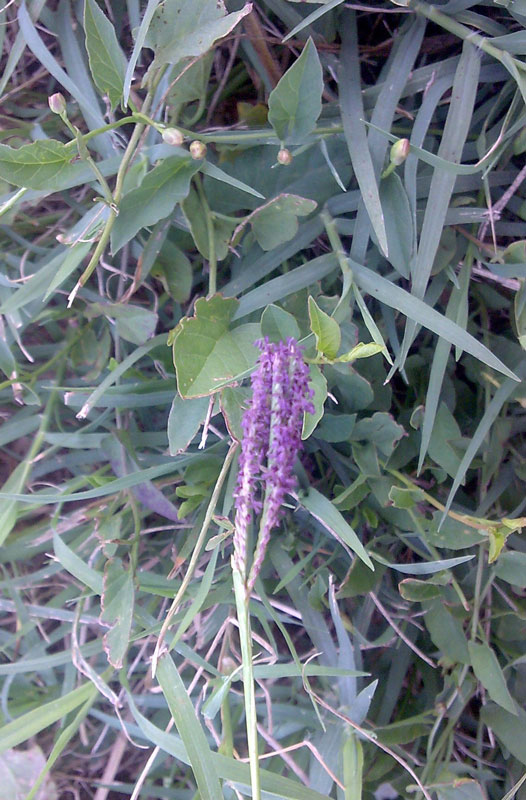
(284,156)
(197,149)
(173,136)
(399,152)
(57,103)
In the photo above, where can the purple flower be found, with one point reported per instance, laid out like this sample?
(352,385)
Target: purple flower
(272,427)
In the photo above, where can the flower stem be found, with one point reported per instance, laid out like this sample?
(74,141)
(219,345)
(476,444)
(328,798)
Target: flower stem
(245,639)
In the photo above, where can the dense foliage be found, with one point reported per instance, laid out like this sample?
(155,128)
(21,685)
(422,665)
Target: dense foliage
(351,178)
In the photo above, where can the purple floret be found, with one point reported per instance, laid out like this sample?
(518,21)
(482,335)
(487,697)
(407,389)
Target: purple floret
(272,427)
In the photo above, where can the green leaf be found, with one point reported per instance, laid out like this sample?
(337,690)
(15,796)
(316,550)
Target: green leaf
(278,324)
(276,222)
(162,188)
(73,564)
(352,755)
(189,729)
(117,610)
(381,430)
(133,323)
(106,59)
(295,103)
(206,353)
(398,223)
(318,382)
(511,567)
(233,402)
(507,728)
(325,329)
(447,634)
(184,420)
(488,671)
(28,725)
(328,515)
(44,164)
(418,591)
(196,216)
(180,29)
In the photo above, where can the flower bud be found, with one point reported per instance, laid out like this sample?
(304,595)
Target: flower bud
(57,103)
(399,152)
(197,149)
(173,136)
(284,156)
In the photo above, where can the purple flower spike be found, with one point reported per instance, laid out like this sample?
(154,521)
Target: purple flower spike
(272,439)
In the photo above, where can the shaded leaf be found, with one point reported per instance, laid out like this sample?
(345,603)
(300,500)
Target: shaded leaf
(278,324)
(117,610)
(318,382)
(184,421)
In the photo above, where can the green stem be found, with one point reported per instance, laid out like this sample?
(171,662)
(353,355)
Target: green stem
(245,640)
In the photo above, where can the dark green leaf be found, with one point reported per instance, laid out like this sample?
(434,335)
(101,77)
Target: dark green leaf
(117,610)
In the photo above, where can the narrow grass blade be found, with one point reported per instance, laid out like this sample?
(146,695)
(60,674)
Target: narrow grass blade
(189,729)
(355,131)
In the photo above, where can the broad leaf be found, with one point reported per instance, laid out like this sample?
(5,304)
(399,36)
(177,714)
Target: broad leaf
(325,329)
(318,382)
(106,59)
(44,164)
(206,353)
(295,103)
(488,671)
(184,420)
(162,188)
(196,216)
(180,29)
(276,222)
(278,325)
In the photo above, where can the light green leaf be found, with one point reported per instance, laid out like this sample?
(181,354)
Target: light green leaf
(488,671)
(325,329)
(189,729)
(162,188)
(318,382)
(206,353)
(180,29)
(44,164)
(277,221)
(328,515)
(295,103)
(117,610)
(352,755)
(106,59)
